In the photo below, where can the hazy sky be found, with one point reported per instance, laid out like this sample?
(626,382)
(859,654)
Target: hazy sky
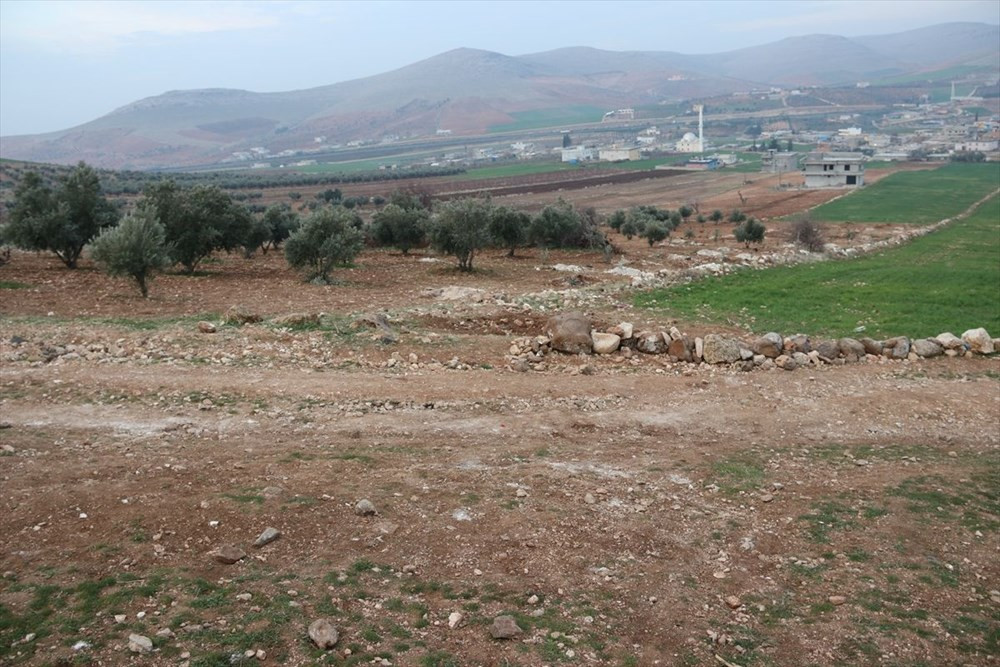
(65,63)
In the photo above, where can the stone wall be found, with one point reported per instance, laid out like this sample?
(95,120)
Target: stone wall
(568,333)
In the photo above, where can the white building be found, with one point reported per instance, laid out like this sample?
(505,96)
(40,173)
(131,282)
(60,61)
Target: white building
(616,154)
(982,146)
(689,143)
(578,153)
(834,170)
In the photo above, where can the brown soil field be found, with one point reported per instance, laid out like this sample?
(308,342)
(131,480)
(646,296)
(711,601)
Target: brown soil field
(624,511)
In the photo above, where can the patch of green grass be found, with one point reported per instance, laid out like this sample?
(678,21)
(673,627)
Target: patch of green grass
(537,118)
(13,284)
(826,517)
(245,498)
(945,281)
(914,197)
(738,474)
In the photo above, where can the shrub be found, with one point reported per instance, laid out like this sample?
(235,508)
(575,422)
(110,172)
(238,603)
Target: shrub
(655,232)
(807,234)
(461,228)
(716,216)
(737,216)
(750,231)
(135,248)
(327,238)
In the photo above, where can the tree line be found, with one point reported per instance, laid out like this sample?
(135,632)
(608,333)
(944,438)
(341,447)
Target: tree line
(172,225)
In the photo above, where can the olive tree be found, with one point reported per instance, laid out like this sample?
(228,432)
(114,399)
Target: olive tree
(325,239)
(509,228)
(402,228)
(461,228)
(198,221)
(63,220)
(135,248)
(750,231)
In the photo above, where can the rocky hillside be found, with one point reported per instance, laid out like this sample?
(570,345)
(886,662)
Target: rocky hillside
(469,91)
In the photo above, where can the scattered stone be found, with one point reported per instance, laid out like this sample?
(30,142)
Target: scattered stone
(837,600)
(733,602)
(454,619)
(269,535)
(589,499)
(533,599)
(272,492)
(140,644)
(979,341)
(81,646)
(766,498)
(228,554)
(570,333)
(505,627)
(206,328)
(323,634)
(521,493)
(365,508)
(454,293)
(605,343)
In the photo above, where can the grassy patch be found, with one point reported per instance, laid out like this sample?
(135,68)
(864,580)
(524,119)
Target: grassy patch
(527,120)
(13,284)
(945,281)
(917,197)
(738,474)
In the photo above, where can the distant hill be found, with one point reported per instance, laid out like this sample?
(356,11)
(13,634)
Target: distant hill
(469,91)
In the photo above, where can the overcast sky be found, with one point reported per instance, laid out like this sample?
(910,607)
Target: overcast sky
(65,63)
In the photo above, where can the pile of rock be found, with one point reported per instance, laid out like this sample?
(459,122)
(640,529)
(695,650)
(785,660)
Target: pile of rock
(574,333)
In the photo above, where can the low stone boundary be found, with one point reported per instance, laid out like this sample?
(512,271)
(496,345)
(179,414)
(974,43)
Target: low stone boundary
(573,333)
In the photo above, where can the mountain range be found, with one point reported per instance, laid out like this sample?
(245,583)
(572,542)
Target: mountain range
(470,91)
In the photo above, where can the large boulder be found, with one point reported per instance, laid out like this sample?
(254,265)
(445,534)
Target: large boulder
(650,342)
(570,333)
(720,350)
(872,346)
(852,349)
(680,349)
(798,343)
(979,341)
(828,350)
(897,348)
(768,345)
(950,341)
(927,347)
(323,634)
(605,343)
(297,320)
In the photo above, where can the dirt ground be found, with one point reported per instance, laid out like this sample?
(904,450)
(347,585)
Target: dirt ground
(624,511)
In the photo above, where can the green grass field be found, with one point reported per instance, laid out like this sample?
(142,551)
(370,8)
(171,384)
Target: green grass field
(539,118)
(918,197)
(528,168)
(946,281)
